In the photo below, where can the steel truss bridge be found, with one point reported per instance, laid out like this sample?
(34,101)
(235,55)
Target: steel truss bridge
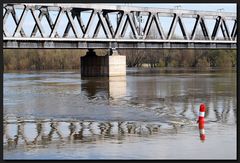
(85,21)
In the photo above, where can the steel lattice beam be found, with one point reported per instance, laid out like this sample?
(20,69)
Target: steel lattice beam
(126,17)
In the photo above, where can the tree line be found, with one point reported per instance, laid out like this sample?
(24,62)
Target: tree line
(48,59)
(44,59)
(181,58)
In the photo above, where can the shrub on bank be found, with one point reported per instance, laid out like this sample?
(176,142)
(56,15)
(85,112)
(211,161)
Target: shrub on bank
(203,63)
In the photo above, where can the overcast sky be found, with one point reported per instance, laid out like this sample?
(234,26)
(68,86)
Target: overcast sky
(228,7)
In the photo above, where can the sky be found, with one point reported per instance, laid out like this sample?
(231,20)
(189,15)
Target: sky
(228,7)
(165,22)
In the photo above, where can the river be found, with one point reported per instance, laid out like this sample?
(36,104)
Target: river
(149,114)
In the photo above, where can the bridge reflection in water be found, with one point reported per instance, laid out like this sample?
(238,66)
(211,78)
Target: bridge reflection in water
(110,87)
(41,133)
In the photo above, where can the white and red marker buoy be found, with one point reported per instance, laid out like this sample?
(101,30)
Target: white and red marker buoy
(201,122)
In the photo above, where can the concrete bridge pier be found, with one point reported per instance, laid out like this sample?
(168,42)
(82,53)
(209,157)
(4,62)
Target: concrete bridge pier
(111,64)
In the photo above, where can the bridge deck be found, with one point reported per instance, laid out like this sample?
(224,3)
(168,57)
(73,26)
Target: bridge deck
(113,43)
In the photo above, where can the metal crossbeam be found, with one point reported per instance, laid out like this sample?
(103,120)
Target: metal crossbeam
(124,17)
(20,22)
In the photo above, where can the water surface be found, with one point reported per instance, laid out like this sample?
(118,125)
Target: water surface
(149,114)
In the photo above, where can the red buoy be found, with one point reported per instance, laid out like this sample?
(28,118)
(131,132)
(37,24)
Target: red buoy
(202,134)
(201,116)
(201,122)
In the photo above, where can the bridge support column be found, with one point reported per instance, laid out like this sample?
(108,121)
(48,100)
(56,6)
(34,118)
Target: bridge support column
(109,65)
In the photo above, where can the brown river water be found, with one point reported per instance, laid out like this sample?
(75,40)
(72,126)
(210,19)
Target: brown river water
(149,114)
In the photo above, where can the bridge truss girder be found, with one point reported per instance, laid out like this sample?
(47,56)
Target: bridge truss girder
(124,18)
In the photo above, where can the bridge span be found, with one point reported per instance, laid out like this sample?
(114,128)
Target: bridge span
(101,26)
(86,21)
